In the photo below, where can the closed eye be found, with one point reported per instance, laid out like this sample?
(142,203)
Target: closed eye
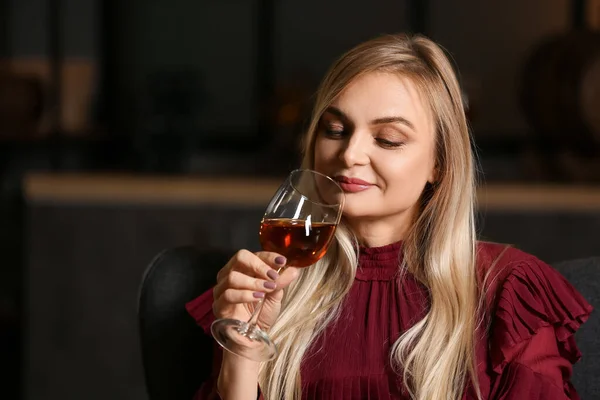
(388,143)
(333,130)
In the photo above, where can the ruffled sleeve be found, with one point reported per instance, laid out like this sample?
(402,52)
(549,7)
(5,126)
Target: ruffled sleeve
(201,310)
(532,347)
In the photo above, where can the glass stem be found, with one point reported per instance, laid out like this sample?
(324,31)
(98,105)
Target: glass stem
(256,313)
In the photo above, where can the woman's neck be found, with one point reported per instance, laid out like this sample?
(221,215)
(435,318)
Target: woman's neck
(378,232)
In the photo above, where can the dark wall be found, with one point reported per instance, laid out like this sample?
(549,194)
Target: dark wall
(490,41)
(217,40)
(28,27)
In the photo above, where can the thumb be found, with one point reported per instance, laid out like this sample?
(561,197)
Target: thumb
(289,275)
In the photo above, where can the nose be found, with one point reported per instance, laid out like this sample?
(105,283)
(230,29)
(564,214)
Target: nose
(355,151)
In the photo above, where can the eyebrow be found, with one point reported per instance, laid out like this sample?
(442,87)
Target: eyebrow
(378,121)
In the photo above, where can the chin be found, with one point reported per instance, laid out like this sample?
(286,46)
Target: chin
(355,212)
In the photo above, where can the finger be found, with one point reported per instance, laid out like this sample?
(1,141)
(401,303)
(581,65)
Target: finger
(259,265)
(275,260)
(239,255)
(287,276)
(235,296)
(240,281)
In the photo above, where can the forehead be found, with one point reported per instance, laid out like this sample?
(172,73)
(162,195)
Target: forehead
(383,94)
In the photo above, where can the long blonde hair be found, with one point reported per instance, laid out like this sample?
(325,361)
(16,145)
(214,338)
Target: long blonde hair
(437,355)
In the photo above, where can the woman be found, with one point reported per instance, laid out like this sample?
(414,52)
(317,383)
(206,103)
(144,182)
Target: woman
(406,303)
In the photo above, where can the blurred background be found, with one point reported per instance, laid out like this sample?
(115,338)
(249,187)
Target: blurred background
(131,126)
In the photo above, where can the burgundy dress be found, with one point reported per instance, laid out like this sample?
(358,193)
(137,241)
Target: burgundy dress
(527,353)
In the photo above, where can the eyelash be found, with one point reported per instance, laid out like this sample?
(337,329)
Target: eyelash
(389,144)
(329,131)
(338,133)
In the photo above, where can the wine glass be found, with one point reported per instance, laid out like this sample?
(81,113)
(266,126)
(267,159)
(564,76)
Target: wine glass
(299,223)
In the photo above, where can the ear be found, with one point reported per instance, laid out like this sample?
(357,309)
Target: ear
(433,175)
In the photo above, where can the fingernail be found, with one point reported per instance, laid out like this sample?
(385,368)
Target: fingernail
(258,295)
(273,274)
(270,285)
(280,260)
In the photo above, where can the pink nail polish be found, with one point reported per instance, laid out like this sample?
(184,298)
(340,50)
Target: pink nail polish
(280,260)
(270,285)
(273,274)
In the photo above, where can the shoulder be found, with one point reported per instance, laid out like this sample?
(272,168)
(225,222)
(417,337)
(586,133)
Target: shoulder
(499,264)
(524,294)
(492,255)
(505,270)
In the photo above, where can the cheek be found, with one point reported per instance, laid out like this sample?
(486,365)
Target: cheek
(423,163)
(323,152)
(405,173)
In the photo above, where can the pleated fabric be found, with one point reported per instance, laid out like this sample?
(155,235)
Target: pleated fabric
(527,353)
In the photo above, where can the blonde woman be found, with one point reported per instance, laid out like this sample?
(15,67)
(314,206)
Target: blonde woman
(406,303)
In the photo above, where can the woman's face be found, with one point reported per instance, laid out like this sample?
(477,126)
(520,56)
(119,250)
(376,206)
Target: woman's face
(377,140)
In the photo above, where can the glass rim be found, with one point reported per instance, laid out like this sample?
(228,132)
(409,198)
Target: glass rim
(298,170)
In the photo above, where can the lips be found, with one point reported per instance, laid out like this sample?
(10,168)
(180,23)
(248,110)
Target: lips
(353,181)
(352,185)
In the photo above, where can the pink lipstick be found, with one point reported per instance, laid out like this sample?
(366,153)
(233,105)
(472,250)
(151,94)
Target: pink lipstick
(352,185)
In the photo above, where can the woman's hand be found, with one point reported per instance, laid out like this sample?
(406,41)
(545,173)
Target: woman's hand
(245,280)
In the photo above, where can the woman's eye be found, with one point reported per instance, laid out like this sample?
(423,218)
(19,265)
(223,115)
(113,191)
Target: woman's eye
(334,131)
(388,143)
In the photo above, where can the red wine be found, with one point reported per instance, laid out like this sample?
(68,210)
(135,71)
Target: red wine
(302,242)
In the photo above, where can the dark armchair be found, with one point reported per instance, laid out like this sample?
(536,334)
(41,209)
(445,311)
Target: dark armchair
(584,274)
(177,355)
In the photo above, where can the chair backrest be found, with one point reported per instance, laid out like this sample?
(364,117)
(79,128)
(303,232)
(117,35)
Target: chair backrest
(584,274)
(176,355)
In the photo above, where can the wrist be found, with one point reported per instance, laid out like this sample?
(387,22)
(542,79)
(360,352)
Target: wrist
(238,378)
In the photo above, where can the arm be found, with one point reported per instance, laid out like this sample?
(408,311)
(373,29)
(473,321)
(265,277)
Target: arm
(535,369)
(532,342)
(240,285)
(233,377)
(238,378)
